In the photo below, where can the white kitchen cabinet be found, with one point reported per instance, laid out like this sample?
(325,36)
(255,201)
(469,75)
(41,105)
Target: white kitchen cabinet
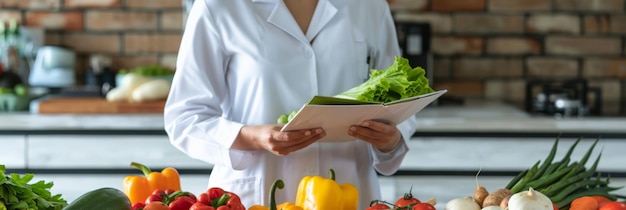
(105,151)
(13,152)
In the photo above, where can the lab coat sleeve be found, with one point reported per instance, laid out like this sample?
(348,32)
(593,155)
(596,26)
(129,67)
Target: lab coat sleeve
(386,48)
(193,111)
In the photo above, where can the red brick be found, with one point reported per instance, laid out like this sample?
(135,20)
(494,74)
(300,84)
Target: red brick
(130,62)
(93,43)
(605,24)
(605,68)
(154,4)
(31,4)
(513,46)
(488,24)
(583,46)
(461,88)
(549,23)
(482,68)
(519,5)
(10,15)
(552,67)
(172,20)
(440,23)
(408,4)
(120,20)
(456,5)
(590,5)
(93,3)
(457,45)
(72,21)
(152,43)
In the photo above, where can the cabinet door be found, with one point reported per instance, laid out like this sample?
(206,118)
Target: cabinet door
(106,151)
(13,154)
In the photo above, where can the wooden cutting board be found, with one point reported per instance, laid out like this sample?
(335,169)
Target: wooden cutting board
(96,105)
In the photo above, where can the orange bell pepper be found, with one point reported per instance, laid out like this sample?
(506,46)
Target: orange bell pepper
(139,188)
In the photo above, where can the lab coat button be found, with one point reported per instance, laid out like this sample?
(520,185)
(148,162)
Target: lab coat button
(308,53)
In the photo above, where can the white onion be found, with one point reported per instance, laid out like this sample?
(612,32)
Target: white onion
(466,203)
(530,200)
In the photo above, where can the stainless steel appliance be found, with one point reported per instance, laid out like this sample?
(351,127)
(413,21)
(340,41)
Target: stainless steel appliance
(562,98)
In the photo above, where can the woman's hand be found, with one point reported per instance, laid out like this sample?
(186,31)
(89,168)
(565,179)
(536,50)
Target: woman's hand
(384,136)
(270,138)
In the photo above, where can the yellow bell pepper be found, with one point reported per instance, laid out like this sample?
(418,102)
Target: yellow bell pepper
(283,206)
(139,188)
(319,193)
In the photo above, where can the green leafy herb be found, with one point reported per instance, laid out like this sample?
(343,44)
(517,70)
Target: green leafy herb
(16,192)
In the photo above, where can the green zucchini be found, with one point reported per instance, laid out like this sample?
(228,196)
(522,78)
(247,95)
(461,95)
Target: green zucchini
(105,198)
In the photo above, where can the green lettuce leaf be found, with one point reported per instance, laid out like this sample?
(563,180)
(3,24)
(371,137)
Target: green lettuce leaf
(398,81)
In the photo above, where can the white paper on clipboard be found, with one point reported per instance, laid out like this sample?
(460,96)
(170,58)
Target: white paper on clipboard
(336,119)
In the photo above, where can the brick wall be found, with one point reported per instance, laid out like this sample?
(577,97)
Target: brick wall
(132,32)
(482,48)
(491,48)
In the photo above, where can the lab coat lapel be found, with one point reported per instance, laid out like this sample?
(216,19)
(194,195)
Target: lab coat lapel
(325,11)
(281,18)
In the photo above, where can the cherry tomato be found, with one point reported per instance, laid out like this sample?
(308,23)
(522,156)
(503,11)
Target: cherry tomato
(555,207)
(169,191)
(153,198)
(614,205)
(424,206)
(156,205)
(234,198)
(201,206)
(408,199)
(138,205)
(215,192)
(377,206)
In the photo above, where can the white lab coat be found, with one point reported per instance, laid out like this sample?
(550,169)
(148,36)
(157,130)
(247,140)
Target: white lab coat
(245,62)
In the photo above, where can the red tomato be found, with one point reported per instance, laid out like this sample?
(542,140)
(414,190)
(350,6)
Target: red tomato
(153,198)
(138,205)
(377,206)
(555,207)
(201,206)
(424,206)
(169,191)
(614,205)
(215,192)
(407,200)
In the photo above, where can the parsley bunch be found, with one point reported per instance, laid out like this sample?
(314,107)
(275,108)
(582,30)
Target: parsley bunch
(17,193)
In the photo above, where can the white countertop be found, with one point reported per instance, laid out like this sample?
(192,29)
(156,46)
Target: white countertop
(471,117)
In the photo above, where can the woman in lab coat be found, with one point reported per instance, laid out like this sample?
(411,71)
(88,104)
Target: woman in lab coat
(242,63)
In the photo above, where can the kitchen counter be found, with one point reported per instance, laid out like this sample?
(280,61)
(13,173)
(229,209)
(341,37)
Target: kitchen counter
(473,119)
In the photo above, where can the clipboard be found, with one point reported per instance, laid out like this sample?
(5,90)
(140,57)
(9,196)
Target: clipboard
(336,115)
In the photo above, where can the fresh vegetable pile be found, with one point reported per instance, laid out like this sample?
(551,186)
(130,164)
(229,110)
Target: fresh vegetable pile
(563,181)
(551,185)
(16,192)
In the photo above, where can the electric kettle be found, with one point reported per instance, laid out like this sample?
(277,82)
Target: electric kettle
(54,67)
